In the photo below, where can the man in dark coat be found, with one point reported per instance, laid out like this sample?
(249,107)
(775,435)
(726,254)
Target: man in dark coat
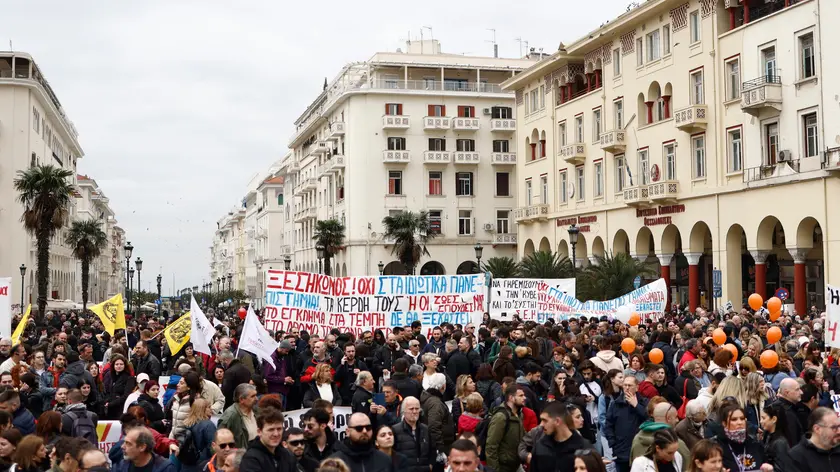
(386,355)
(624,416)
(555,450)
(789,396)
(75,372)
(358,450)
(462,361)
(265,453)
(820,452)
(235,374)
(411,438)
(406,386)
(346,370)
(436,415)
(280,374)
(145,362)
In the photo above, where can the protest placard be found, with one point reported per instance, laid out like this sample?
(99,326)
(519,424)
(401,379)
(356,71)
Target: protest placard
(527,298)
(832,315)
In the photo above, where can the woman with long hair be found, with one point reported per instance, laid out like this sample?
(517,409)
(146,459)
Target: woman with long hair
(661,455)
(756,396)
(384,441)
(218,375)
(120,384)
(150,402)
(163,444)
(187,392)
(814,376)
(503,367)
(486,385)
(730,387)
(31,455)
(48,427)
(636,367)
(9,440)
(745,367)
(613,382)
(735,442)
(203,431)
(464,386)
(93,369)
(706,456)
(470,418)
(588,460)
(322,387)
(91,397)
(775,440)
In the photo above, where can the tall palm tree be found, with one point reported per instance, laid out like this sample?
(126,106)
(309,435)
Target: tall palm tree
(330,235)
(45,192)
(410,232)
(87,240)
(546,265)
(611,277)
(501,267)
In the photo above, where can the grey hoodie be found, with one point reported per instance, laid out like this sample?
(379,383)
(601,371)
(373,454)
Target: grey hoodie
(607,361)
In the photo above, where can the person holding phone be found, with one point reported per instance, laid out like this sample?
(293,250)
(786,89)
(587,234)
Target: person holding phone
(346,370)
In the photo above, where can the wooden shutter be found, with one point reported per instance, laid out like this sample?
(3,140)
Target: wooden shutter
(431,110)
(472,111)
(399,109)
(443,110)
(472,184)
(387,108)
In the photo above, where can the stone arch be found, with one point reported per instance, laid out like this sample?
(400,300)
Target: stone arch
(432,268)
(598,248)
(581,250)
(542,135)
(644,242)
(700,238)
(344,269)
(671,241)
(770,233)
(641,109)
(395,268)
(737,257)
(805,232)
(545,246)
(529,247)
(578,83)
(621,243)
(467,267)
(563,248)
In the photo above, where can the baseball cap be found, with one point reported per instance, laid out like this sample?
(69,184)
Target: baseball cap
(284,344)
(142,378)
(803,340)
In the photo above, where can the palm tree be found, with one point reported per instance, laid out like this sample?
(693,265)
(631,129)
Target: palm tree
(45,192)
(546,265)
(501,267)
(329,234)
(611,277)
(87,240)
(410,232)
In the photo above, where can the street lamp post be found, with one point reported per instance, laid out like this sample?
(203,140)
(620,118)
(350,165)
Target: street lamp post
(160,300)
(138,263)
(22,284)
(573,237)
(128,249)
(320,251)
(479,249)
(130,287)
(287,261)
(219,282)
(381,266)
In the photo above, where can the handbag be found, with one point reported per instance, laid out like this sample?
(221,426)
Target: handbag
(681,410)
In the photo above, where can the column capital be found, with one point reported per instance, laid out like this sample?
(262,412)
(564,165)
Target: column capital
(759,256)
(580,262)
(693,257)
(639,257)
(665,259)
(799,255)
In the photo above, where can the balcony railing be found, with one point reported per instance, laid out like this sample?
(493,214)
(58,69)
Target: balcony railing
(636,196)
(294,165)
(304,215)
(531,213)
(465,124)
(437,157)
(469,158)
(692,118)
(664,191)
(503,159)
(336,130)
(437,122)
(335,164)
(306,185)
(396,121)
(573,153)
(761,93)
(502,125)
(504,238)
(396,157)
(771,171)
(446,85)
(613,141)
(320,147)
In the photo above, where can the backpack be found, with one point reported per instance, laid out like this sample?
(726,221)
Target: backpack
(484,426)
(83,427)
(188,453)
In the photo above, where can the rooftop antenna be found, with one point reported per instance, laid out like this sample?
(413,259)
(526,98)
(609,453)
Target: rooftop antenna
(431,34)
(495,46)
(520,41)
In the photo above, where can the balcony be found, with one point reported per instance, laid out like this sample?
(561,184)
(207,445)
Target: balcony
(446,85)
(636,196)
(467,158)
(531,213)
(320,147)
(504,238)
(614,141)
(396,121)
(437,122)
(465,124)
(336,130)
(503,159)
(691,119)
(664,192)
(294,165)
(573,153)
(305,215)
(396,157)
(502,125)
(306,185)
(437,157)
(335,164)
(761,94)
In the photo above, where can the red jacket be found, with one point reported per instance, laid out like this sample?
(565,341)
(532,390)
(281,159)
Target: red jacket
(529,419)
(688,356)
(309,370)
(467,422)
(647,389)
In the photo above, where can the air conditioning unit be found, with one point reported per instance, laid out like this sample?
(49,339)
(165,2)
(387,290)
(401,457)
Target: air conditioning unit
(784,156)
(488,111)
(489,226)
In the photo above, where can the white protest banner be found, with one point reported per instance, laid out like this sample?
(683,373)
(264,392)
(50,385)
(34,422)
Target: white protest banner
(832,315)
(341,415)
(5,306)
(201,331)
(527,298)
(255,339)
(109,433)
(319,303)
(648,301)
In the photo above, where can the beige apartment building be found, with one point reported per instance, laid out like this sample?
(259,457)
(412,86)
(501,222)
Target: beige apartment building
(694,135)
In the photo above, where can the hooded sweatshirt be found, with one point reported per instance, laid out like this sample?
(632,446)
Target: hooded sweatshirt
(645,438)
(607,361)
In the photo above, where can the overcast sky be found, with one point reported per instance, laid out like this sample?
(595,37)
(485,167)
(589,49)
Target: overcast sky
(180,103)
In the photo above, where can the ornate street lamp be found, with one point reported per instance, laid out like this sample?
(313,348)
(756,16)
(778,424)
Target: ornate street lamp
(130,287)
(381,266)
(320,251)
(287,261)
(128,249)
(160,300)
(138,263)
(573,237)
(22,284)
(479,249)
(230,281)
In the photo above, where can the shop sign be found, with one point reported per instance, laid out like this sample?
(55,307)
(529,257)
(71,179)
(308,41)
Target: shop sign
(582,222)
(654,216)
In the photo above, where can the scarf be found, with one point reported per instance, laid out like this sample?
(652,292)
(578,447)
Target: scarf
(736,436)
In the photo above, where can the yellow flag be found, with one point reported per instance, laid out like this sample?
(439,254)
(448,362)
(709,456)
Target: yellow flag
(111,312)
(21,326)
(178,333)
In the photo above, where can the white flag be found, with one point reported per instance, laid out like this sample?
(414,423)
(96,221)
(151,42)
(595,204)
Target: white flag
(201,331)
(255,339)
(832,310)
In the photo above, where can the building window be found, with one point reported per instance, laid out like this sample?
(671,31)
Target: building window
(640,52)
(653,50)
(768,58)
(809,121)
(619,174)
(564,186)
(733,79)
(697,88)
(544,189)
(599,179)
(437,110)
(616,59)
(501,145)
(36,120)
(579,129)
(581,183)
(464,184)
(394,182)
(464,222)
(670,161)
(596,125)
(435,183)
(736,162)
(660,109)
(771,148)
(806,53)
(396,144)
(466,112)
(393,109)
(619,114)
(529,192)
(694,23)
(505,113)
(561,133)
(666,39)
(527,108)
(435,221)
(465,145)
(437,144)
(502,221)
(644,167)
(698,148)
(542,97)
(502,184)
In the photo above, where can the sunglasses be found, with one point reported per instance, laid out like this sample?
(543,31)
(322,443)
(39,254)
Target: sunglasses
(297,442)
(227,445)
(360,428)
(583,452)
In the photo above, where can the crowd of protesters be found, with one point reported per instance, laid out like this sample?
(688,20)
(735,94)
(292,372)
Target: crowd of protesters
(690,392)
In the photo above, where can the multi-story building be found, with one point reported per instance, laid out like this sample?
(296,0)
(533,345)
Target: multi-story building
(228,251)
(35,130)
(407,131)
(107,274)
(695,135)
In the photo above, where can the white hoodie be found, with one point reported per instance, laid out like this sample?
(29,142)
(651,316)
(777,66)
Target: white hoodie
(606,361)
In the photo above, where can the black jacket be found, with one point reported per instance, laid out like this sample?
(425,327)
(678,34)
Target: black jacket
(235,374)
(259,459)
(460,363)
(778,453)
(149,365)
(152,407)
(436,415)
(808,457)
(384,359)
(311,451)
(361,458)
(407,387)
(313,394)
(552,456)
(795,430)
(689,385)
(74,374)
(362,399)
(622,424)
(416,447)
(345,376)
(750,452)
(117,389)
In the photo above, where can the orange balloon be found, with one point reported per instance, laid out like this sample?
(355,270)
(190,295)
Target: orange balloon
(734,350)
(774,305)
(635,319)
(775,315)
(656,355)
(719,336)
(774,335)
(755,301)
(628,345)
(769,359)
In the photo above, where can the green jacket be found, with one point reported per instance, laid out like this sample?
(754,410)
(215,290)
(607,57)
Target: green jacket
(503,436)
(232,420)
(645,438)
(494,351)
